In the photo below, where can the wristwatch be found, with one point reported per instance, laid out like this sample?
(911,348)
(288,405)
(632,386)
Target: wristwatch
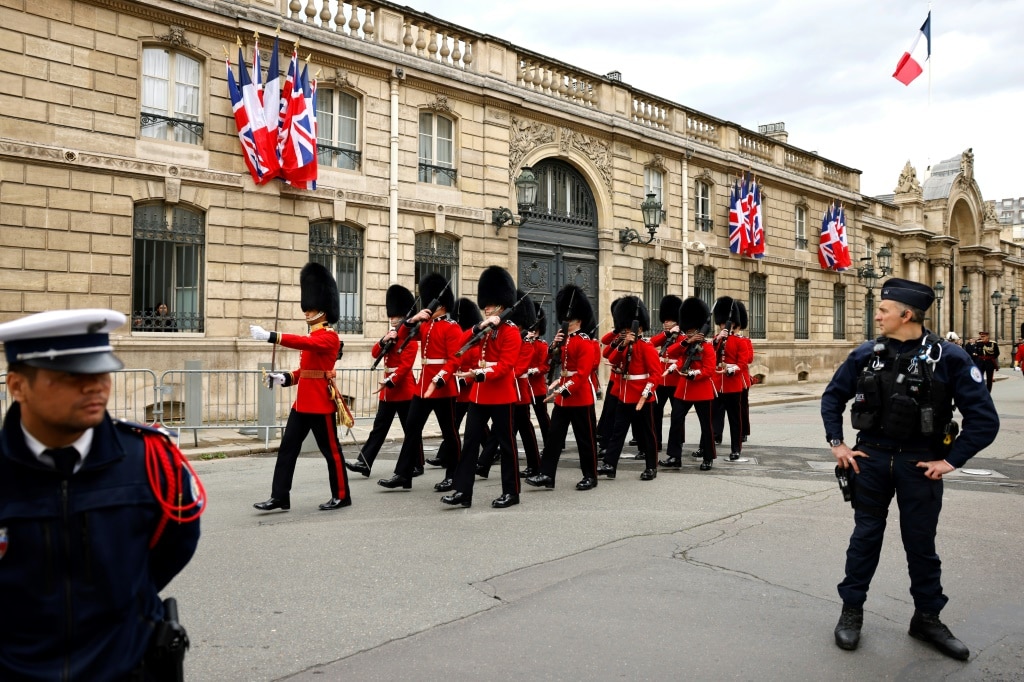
(832,442)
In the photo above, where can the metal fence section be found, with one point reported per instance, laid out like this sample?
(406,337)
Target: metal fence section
(195,399)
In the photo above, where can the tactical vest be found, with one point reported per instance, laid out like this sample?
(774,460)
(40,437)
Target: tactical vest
(899,399)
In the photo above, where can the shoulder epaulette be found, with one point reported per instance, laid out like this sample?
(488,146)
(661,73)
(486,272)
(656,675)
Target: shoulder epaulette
(135,427)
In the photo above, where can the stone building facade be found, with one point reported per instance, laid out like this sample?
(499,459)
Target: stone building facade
(122,185)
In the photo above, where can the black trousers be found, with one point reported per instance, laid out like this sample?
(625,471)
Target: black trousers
(387,410)
(882,476)
(642,423)
(412,447)
(745,410)
(680,408)
(521,427)
(500,418)
(664,395)
(325,430)
(540,411)
(446,451)
(604,423)
(729,404)
(583,428)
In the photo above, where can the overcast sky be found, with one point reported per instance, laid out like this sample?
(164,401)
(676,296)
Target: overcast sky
(821,66)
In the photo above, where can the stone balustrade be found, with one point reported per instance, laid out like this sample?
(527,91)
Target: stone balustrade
(703,129)
(651,113)
(557,81)
(756,146)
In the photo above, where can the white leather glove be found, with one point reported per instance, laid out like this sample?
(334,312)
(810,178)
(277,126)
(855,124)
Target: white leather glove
(259,333)
(273,379)
(533,370)
(693,373)
(732,369)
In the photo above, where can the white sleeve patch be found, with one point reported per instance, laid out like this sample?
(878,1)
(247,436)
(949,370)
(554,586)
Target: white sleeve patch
(976,375)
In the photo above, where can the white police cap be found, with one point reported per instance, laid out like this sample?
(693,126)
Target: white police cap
(75,341)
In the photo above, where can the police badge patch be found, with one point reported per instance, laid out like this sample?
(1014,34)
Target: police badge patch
(3,542)
(976,375)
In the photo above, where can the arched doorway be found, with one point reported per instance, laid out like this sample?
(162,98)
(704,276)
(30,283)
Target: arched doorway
(558,239)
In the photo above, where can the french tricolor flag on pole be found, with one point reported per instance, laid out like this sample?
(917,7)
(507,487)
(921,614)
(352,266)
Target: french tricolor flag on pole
(911,63)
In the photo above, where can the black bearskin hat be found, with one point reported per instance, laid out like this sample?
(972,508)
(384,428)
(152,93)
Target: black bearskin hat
(542,319)
(571,303)
(399,301)
(631,308)
(524,315)
(496,287)
(466,313)
(668,309)
(693,313)
(742,314)
(725,311)
(435,286)
(319,291)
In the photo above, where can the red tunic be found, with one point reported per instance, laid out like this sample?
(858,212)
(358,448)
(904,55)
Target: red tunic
(606,341)
(737,352)
(469,360)
(523,363)
(319,352)
(398,372)
(672,378)
(499,352)
(701,386)
(641,372)
(578,362)
(538,380)
(439,341)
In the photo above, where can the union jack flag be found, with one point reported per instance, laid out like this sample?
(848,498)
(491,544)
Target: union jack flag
(833,249)
(245,131)
(738,236)
(298,156)
(754,219)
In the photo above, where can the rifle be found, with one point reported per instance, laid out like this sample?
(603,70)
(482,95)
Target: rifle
(555,352)
(386,346)
(696,349)
(483,327)
(434,305)
(720,350)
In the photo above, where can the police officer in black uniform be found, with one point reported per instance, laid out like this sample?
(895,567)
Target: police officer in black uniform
(904,385)
(985,353)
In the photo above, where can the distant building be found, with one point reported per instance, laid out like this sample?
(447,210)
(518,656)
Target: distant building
(122,185)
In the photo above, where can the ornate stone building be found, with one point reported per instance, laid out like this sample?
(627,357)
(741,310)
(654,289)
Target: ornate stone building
(122,185)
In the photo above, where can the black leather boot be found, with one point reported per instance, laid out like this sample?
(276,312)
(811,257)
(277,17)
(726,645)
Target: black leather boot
(848,628)
(395,481)
(335,503)
(273,503)
(928,628)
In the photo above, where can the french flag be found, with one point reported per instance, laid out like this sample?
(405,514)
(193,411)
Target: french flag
(911,63)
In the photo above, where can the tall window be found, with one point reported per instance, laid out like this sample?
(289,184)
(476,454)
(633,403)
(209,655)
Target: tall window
(758,306)
(339,248)
(653,181)
(802,309)
(167,268)
(655,288)
(437,155)
(337,131)
(170,96)
(704,284)
(800,225)
(838,311)
(702,206)
(437,253)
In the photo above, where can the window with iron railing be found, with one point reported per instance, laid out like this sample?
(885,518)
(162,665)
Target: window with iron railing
(702,207)
(655,288)
(337,129)
(704,284)
(437,253)
(339,248)
(802,309)
(437,150)
(168,248)
(758,310)
(170,96)
(800,227)
(839,312)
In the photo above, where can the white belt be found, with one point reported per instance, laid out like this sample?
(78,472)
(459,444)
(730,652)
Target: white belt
(635,377)
(569,373)
(390,369)
(491,364)
(667,360)
(434,361)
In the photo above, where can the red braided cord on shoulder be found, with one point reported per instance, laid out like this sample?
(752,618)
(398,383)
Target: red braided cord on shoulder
(165,479)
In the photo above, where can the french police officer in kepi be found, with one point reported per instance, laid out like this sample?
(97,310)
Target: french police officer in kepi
(97,515)
(903,386)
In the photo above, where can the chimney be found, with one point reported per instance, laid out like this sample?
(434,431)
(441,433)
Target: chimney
(776,131)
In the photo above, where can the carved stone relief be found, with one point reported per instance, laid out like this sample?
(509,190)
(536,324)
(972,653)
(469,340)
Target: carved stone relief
(440,103)
(967,164)
(908,183)
(524,137)
(176,37)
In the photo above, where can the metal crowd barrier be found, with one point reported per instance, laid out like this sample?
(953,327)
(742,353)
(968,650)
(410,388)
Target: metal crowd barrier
(195,399)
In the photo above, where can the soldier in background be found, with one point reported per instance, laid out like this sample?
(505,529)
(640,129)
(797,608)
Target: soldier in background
(398,385)
(668,312)
(315,408)
(985,354)
(733,355)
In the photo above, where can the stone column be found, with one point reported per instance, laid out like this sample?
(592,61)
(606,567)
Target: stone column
(979,300)
(950,297)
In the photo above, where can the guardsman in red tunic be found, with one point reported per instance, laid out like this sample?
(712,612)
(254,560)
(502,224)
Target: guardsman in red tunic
(315,408)
(493,390)
(733,356)
(668,313)
(467,314)
(438,336)
(747,379)
(608,405)
(634,387)
(538,371)
(693,360)
(572,392)
(398,385)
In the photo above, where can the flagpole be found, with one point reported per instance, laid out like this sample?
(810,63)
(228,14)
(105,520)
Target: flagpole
(928,108)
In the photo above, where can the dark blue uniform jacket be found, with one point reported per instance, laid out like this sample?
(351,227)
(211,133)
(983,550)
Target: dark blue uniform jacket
(966,385)
(78,582)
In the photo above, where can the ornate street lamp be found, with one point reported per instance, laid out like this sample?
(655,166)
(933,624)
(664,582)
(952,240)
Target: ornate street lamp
(652,213)
(1013,302)
(866,273)
(997,298)
(965,296)
(940,291)
(526,199)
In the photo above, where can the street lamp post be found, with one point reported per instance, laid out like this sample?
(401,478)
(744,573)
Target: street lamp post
(1013,302)
(651,211)
(965,296)
(997,298)
(940,291)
